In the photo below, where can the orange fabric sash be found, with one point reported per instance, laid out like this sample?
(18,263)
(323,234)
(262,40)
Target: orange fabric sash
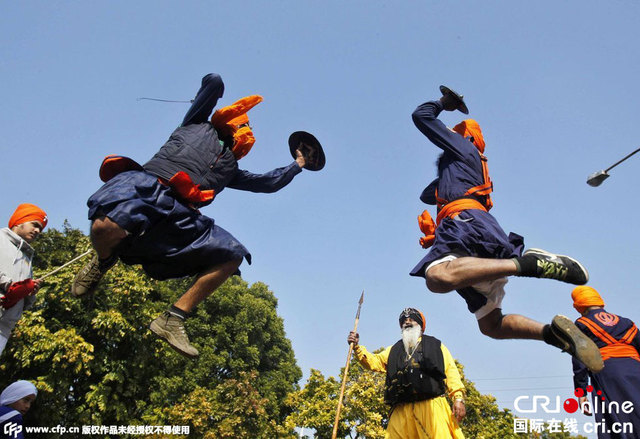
(481,190)
(449,210)
(453,209)
(619,351)
(614,348)
(187,189)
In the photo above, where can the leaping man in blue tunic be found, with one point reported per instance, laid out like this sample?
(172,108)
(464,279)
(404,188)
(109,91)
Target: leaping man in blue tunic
(469,251)
(149,214)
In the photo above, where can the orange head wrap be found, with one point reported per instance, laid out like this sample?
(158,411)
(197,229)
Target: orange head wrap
(584,297)
(232,121)
(470,128)
(28,212)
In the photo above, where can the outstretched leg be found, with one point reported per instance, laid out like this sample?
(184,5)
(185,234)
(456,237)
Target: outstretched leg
(467,271)
(458,273)
(105,235)
(499,326)
(561,333)
(170,325)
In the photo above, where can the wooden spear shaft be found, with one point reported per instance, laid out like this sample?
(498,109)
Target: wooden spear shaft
(346,371)
(66,264)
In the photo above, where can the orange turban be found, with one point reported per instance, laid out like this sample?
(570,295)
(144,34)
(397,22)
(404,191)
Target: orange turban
(28,212)
(584,297)
(232,121)
(470,128)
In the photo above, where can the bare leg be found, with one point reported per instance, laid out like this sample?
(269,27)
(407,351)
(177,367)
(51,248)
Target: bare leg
(467,271)
(105,236)
(499,326)
(170,325)
(206,283)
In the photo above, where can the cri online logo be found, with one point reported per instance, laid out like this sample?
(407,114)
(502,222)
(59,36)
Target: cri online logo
(572,405)
(542,402)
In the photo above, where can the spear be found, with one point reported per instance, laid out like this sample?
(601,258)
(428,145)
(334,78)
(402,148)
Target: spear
(346,370)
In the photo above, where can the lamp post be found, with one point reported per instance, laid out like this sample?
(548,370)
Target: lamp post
(598,177)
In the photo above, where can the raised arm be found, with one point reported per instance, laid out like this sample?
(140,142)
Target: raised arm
(375,362)
(211,90)
(425,117)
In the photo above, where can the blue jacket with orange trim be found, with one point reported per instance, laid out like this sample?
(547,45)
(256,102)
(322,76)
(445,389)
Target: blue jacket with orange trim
(195,148)
(459,167)
(614,325)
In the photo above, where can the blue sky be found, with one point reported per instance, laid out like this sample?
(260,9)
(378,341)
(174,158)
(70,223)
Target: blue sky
(553,85)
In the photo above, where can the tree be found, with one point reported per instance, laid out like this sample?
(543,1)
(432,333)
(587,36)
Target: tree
(96,363)
(365,415)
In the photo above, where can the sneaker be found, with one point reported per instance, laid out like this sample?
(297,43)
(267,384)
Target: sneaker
(558,267)
(89,276)
(571,339)
(171,329)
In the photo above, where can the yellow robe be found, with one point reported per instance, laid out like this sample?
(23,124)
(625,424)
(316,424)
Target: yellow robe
(430,419)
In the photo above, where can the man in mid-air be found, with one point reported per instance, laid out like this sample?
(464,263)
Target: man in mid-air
(469,251)
(149,214)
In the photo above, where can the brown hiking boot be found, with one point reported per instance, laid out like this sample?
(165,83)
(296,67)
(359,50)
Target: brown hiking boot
(171,329)
(571,339)
(89,276)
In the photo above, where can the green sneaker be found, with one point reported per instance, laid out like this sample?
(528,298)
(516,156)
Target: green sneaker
(171,329)
(88,278)
(558,267)
(571,339)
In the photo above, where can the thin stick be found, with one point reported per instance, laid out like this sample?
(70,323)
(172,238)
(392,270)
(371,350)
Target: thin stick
(164,100)
(346,370)
(66,264)
(620,161)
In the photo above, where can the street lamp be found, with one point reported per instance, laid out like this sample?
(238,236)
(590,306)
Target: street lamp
(598,177)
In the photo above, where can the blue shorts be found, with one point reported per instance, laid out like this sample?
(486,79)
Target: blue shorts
(168,238)
(475,233)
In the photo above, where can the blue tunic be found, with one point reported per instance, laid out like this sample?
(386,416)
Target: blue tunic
(11,420)
(474,232)
(166,236)
(619,380)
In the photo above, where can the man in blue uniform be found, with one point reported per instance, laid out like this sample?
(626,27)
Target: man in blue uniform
(470,253)
(619,382)
(149,214)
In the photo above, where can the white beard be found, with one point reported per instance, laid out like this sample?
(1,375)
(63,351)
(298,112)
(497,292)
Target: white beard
(410,337)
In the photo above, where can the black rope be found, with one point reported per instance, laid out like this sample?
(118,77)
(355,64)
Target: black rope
(164,100)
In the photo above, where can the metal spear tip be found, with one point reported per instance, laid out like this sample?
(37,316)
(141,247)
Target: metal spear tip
(597,178)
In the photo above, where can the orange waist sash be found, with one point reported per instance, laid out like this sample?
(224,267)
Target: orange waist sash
(619,351)
(454,208)
(449,210)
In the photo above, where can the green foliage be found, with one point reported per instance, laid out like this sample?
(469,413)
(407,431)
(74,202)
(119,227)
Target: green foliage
(364,414)
(96,363)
